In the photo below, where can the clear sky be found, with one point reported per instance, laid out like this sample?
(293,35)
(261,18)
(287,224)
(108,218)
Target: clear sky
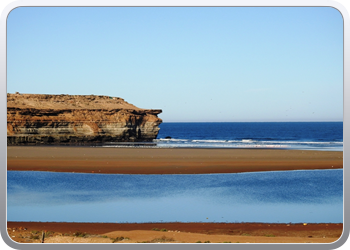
(195,63)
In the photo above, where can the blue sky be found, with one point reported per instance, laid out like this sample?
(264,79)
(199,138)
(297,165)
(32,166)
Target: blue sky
(230,64)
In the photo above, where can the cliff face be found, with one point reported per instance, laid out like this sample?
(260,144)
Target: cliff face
(51,119)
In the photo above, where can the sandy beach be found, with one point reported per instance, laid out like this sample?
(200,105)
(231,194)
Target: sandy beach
(166,160)
(62,232)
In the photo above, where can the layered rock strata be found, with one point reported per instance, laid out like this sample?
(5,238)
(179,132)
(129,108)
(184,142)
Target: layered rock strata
(79,119)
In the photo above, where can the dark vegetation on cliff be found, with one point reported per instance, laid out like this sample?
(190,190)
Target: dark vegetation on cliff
(77,119)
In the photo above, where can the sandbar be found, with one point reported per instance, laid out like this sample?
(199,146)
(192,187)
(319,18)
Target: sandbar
(119,160)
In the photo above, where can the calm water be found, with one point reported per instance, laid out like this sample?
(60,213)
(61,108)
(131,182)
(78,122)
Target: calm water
(285,196)
(290,135)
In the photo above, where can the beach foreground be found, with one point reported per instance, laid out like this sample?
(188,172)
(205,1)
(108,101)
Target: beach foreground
(166,160)
(63,232)
(170,161)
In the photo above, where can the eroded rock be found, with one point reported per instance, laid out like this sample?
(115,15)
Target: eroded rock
(53,119)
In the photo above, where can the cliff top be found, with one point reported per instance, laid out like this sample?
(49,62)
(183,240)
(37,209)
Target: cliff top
(42,101)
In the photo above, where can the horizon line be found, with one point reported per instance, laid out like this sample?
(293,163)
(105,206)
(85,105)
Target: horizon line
(239,121)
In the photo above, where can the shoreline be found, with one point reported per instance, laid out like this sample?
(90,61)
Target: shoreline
(181,232)
(166,160)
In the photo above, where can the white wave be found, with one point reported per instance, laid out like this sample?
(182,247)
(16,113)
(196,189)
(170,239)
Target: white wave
(247,143)
(210,141)
(220,145)
(164,139)
(247,140)
(302,142)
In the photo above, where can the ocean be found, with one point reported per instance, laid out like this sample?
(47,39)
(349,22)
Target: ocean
(285,135)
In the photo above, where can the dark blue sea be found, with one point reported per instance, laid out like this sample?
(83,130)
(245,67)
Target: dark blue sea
(288,135)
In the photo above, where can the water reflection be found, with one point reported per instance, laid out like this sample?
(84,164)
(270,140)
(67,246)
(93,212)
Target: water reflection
(286,196)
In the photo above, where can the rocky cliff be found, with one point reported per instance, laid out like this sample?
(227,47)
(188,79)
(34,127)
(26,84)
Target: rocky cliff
(80,119)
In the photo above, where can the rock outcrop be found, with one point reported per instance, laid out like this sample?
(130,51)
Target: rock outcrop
(77,119)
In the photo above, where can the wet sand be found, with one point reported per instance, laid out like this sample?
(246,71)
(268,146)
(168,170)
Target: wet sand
(166,160)
(180,232)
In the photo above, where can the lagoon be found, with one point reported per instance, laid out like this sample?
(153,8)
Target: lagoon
(311,196)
